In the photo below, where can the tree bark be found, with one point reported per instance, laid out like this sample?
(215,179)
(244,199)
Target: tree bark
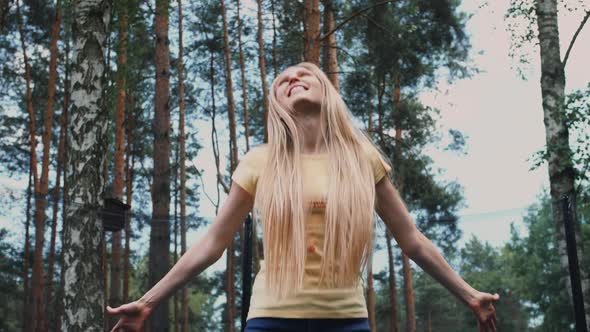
(160,226)
(262,65)
(59,297)
(311,31)
(370,287)
(371,294)
(229,276)
(330,60)
(214,140)
(559,154)
(129,165)
(182,143)
(243,76)
(115,298)
(175,231)
(41,196)
(275,64)
(26,290)
(35,305)
(86,142)
(407,271)
(60,149)
(393,316)
(409,295)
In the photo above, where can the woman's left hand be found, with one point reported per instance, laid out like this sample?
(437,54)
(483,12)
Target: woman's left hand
(483,308)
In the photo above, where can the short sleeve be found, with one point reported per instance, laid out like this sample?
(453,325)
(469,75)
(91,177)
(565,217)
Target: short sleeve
(247,172)
(380,166)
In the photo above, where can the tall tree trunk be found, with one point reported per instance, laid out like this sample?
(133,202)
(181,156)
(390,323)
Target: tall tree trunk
(262,65)
(311,31)
(115,298)
(35,304)
(129,165)
(182,143)
(214,140)
(59,297)
(330,60)
(175,231)
(559,154)
(41,196)
(51,259)
(408,288)
(371,294)
(105,170)
(83,289)
(26,296)
(275,63)
(254,241)
(393,316)
(409,295)
(103,263)
(243,76)
(370,287)
(229,276)
(160,230)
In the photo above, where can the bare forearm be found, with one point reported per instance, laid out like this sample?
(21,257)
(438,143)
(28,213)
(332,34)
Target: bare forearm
(427,256)
(194,261)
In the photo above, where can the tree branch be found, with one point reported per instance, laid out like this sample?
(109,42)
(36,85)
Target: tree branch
(567,53)
(378,25)
(222,183)
(322,38)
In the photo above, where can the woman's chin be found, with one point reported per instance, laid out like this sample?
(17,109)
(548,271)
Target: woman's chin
(303,104)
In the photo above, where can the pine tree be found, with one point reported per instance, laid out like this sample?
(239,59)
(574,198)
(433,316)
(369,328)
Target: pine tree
(160,225)
(115,298)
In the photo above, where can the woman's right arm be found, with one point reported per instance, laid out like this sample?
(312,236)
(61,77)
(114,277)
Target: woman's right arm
(195,260)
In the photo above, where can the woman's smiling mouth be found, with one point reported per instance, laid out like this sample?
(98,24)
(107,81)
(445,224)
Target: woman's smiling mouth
(296,88)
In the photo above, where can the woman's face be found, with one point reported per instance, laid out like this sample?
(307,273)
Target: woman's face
(298,89)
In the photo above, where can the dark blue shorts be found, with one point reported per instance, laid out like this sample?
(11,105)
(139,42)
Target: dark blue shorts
(267,324)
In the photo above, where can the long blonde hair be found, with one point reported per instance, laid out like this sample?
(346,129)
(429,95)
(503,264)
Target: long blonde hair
(280,203)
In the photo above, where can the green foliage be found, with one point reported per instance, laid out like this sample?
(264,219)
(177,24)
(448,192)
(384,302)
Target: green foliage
(486,269)
(540,280)
(577,112)
(11,287)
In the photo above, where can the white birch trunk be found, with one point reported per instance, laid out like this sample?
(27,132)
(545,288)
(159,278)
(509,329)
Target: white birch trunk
(559,155)
(87,128)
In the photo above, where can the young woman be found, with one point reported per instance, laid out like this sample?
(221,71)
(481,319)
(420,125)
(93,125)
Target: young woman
(314,188)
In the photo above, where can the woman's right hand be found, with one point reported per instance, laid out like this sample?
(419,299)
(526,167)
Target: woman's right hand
(133,316)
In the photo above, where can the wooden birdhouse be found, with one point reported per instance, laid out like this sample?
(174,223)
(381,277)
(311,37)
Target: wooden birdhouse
(114,214)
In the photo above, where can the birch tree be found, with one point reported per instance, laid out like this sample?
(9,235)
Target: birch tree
(83,288)
(558,154)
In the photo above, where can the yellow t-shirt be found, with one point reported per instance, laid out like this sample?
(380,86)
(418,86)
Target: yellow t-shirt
(312,301)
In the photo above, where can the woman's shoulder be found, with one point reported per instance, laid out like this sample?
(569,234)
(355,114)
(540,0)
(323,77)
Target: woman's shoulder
(256,153)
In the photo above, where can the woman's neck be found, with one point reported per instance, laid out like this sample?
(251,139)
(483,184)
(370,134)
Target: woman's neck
(310,132)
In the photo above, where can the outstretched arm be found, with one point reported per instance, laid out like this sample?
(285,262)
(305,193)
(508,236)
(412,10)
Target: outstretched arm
(413,243)
(194,261)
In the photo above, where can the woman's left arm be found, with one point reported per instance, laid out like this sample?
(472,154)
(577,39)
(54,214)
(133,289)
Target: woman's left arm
(417,247)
